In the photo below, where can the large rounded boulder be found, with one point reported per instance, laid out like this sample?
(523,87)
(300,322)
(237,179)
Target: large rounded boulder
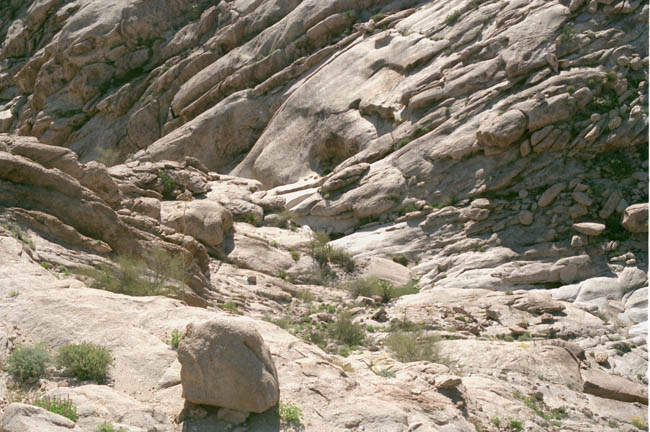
(204,220)
(225,363)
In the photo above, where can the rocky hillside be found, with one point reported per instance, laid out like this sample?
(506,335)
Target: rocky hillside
(434,213)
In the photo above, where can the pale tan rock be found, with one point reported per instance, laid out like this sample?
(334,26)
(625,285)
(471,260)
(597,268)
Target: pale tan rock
(582,198)
(525,217)
(610,205)
(225,363)
(589,228)
(550,194)
(20,417)
(502,130)
(448,381)
(204,220)
(388,270)
(602,384)
(635,218)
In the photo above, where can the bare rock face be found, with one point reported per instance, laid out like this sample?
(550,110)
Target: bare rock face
(20,417)
(225,363)
(635,218)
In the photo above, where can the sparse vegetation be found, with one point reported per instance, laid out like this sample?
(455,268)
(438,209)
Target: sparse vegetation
(639,423)
(496,421)
(19,234)
(106,427)
(169,185)
(325,253)
(232,307)
(175,338)
(85,361)
(131,275)
(515,425)
(374,287)
(27,363)
(385,372)
(14,293)
(284,218)
(107,156)
(400,259)
(413,346)
(63,407)
(345,331)
(452,18)
(290,413)
(622,348)
(541,409)
(568,35)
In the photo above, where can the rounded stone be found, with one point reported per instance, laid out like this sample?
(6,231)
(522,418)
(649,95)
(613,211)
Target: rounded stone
(525,217)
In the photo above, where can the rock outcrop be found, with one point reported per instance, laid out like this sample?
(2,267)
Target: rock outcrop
(487,158)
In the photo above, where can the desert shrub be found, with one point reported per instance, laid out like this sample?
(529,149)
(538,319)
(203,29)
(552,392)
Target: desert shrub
(28,362)
(344,330)
(622,348)
(515,425)
(372,287)
(232,307)
(175,338)
(105,427)
(618,164)
(284,218)
(132,275)
(400,259)
(639,423)
(452,18)
(63,407)
(107,156)
(20,235)
(290,413)
(85,361)
(325,253)
(386,372)
(169,185)
(413,346)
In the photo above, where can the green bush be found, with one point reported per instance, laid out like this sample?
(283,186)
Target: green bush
(290,413)
(134,276)
(344,330)
(453,17)
(515,425)
(374,287)
(413,346)
(20,235)
(327,254)
(85,361)
(63,407)
(284,219)
(175,338)
(28,362)
(168,184)
(400,259)
(105,427)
